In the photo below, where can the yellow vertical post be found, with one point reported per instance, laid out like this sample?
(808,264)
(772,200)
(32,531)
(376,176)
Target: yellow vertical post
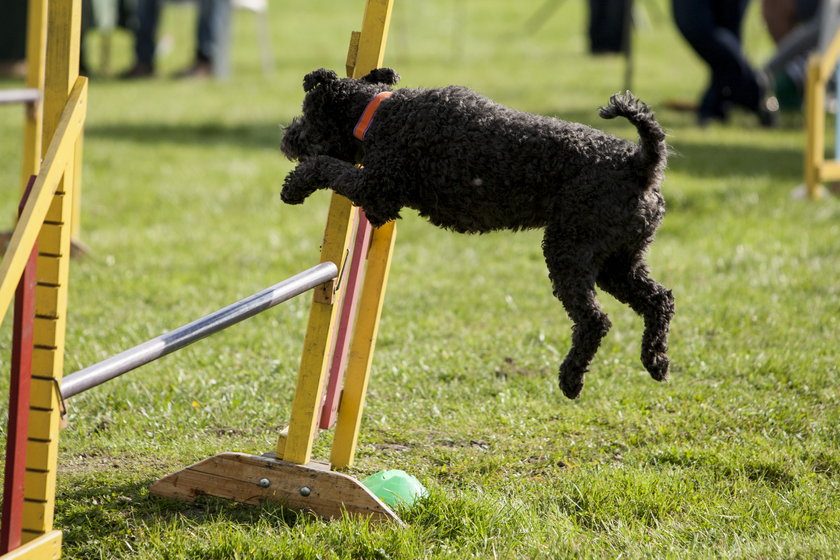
(814,127)
(361,349)
(367,50)
(62,72)
(296,445)
(36,49)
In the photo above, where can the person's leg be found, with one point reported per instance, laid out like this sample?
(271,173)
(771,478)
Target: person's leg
(145,38)
(712,28)
(736,75)
(696,23)
(213,24)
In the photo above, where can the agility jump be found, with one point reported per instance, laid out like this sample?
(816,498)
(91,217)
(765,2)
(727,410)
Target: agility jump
(348,285)
(821,65)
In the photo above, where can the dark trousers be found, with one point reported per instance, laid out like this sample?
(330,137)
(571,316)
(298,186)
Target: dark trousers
(607,30)
(713,29)
(13,30)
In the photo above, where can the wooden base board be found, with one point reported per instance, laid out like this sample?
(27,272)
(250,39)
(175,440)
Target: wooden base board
(253,479)
(44,547)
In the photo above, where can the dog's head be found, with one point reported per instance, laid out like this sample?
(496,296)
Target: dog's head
(330,110)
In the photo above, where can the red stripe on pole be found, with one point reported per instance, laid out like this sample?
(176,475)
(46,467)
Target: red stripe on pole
(19,389)
(341,346)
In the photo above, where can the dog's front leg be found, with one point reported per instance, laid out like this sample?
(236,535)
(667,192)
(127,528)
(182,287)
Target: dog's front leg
(345,179)
(307,177)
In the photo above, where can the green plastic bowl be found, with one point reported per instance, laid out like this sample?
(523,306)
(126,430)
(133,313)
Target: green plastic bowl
(395,487)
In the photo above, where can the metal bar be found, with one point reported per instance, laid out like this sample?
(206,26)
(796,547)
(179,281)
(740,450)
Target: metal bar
(167,343)
(26,95)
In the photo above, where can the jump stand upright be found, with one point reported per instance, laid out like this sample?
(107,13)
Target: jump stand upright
(349,287)
(288,474)
(52,153)
(821,66)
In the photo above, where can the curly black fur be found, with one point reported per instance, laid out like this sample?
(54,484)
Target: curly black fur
(472,166)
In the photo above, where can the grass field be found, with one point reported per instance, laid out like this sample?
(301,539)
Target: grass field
(738,456)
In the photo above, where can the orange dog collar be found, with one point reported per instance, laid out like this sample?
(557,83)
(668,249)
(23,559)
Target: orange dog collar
(366,119)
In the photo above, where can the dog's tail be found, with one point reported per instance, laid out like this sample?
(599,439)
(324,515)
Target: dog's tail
(653,152)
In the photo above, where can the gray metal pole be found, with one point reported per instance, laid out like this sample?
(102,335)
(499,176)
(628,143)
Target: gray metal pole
(167,343)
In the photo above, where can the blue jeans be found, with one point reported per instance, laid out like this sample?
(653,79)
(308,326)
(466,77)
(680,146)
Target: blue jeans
(713,29)
(211,30)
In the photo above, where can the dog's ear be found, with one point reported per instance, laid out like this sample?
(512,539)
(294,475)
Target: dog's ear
(386,76)
(319,76)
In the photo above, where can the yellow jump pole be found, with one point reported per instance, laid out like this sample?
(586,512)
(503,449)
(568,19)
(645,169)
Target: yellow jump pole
(290,476)
(62,78)
(296,445)
(361,348)
(366,53)
(36,49)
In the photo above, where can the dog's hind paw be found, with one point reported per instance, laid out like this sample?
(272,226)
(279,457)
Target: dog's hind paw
(657,365)
(571,385)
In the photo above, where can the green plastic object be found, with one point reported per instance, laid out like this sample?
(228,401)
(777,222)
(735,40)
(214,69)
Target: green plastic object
(395,487)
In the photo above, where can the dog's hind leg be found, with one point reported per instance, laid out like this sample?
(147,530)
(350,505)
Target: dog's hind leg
(628,280)
(572,273)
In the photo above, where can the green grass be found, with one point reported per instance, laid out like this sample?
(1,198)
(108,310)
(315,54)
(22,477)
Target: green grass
(738,456)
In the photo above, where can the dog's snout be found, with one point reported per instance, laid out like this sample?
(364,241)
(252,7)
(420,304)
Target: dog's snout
(292,144)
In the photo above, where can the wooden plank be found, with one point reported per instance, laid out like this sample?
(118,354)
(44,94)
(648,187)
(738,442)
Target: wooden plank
(76,206)
(363,344)
(49,239)
(62,60)
(814,127)
(830,171)
(252,480)
(46,361)
(45,331)
(45,546)
(42,485)
(20,386)
(36,516)
(50,301)
(352,280)
(373,37)
(296,447)
(44,394)
(40,454)
(56,212)
(50,267)
(43,425)
(36,50)
(59,154)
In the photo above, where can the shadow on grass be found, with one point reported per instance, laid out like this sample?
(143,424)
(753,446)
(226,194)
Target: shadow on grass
(717,161)
(265,136)
(120,510)
(704,159)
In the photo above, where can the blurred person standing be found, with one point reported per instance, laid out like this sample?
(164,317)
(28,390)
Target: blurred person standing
(713,29)
(211,40)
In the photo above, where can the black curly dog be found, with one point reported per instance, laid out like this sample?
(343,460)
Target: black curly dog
(472,166)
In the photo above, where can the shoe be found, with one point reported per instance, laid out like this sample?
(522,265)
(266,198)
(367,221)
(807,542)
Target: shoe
(12,68)
(199,70)
(139,70)
(768,112)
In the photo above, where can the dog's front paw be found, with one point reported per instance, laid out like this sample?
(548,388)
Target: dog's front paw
(295,188)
